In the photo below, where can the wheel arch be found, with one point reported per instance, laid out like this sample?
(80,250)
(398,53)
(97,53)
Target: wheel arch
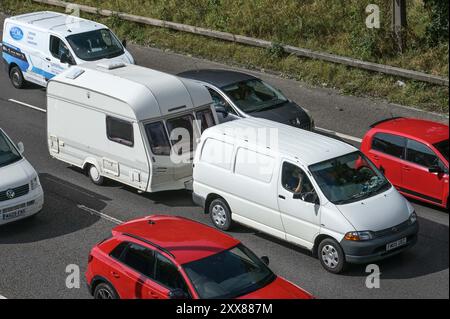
(209,199)
(97,280)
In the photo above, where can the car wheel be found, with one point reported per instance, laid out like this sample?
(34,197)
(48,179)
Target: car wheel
(16,77)
(95,176)
(105,291)
(220,214)
(331,256)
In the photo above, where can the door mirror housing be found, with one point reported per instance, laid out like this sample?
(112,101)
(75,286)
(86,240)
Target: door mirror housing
(310,197)
(21,147)
(265,260)
(177,294)
(435,169)
(65,58)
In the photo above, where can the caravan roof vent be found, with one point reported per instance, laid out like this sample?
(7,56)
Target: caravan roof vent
(108,65)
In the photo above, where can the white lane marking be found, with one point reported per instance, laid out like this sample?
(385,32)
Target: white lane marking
(101,215)
(3,297)
(342,135)
(28,105)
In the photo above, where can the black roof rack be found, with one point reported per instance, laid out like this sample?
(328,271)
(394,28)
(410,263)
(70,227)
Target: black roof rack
(150,243)
(385,120)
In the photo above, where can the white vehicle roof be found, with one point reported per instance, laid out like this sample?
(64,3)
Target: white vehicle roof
(149,93)
(296,144)
(62,24)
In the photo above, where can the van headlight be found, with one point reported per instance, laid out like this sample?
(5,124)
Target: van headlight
(359,235)
(413,218)
(34,183)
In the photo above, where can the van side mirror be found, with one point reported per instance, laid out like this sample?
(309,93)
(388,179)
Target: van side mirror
(21,147)
(265,260)
(222,110)
(435,169)
(65,59)
(177,294)
(310,197)
(124,43)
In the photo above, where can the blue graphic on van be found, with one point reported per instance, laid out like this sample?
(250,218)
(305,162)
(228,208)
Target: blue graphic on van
(16,33)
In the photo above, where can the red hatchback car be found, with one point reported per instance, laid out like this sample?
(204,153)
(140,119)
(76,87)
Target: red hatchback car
(413,154)
(166,257)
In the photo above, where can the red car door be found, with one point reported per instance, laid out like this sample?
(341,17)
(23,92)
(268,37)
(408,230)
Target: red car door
(417,180)
(387,152)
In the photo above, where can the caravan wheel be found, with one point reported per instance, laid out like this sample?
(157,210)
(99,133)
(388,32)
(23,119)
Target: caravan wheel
(95,176)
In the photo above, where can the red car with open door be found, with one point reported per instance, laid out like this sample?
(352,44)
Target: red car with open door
(413,154)
(166,257)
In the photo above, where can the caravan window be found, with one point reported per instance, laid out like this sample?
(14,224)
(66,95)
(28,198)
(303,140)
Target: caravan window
(181,132)
(120,131)
(206,119)
(157,137)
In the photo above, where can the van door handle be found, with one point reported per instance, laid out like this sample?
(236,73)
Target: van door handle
(48,59)
(282,197)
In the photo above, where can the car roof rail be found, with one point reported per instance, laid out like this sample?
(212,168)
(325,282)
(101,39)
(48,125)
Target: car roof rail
(150,243)
(385,120)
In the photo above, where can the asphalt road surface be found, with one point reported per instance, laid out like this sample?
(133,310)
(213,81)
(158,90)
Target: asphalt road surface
(34,253)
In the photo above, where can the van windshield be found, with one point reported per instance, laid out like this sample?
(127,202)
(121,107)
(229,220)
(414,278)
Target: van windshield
(349,178)
(95,45)
(8,153)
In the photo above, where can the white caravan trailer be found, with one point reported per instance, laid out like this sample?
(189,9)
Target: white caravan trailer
(127,123)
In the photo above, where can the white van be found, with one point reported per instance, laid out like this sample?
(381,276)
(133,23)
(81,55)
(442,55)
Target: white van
(39,45)
(305,188)
(21,194)
(127,123)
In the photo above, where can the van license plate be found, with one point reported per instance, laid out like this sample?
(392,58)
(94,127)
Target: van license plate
(396,244)
(14,214)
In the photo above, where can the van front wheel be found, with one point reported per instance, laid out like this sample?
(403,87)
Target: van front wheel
(331,256)
(16,77)
(220,214)
(95,176)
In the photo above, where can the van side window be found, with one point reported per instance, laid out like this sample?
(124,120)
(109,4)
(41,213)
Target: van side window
(206,119)
(157,137)
(120,131)
(254,165)
(217,153)
(295,180)
(389,144)
(57,47)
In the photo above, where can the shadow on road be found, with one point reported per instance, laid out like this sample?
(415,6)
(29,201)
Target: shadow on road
(60,216)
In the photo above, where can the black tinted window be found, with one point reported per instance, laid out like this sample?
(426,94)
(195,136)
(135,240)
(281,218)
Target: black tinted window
(140,259)
(443,148)
(206,119)
(117,252)
(389,144)
(57,47)
(421,154)
(181,132)
(168,275)
(120,131)
(219,101)
(157,137)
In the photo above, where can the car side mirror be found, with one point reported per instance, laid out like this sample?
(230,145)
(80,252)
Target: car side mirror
(435,170)
(222,110)
(177,294)
(124,43)
(265,260)
(21,147)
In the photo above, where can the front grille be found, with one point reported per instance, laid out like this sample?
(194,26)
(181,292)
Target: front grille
(18,192)
(392,230)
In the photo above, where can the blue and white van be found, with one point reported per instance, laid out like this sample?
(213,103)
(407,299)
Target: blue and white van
(37,46)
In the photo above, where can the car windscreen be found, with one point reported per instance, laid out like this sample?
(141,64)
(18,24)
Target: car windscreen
(442,147)
(95,45)
(349,178)
(8,153)
(228,274)
(254,96)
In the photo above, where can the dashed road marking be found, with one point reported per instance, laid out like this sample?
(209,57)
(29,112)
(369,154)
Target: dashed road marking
(28,105)
(3,297)
(101,215)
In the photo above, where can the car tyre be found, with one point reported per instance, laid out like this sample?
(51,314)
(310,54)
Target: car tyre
(105,291)
(95,176)
(16,77)
(331,256)
(220,214)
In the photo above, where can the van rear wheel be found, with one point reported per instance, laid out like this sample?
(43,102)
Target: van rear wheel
(331,256)
(16,77)
(95,176)
(220,214)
